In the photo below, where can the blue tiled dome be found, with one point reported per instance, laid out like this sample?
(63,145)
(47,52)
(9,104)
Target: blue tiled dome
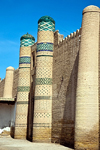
(27,36)
(46,19)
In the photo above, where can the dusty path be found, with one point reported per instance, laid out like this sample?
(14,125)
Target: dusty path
(8,143)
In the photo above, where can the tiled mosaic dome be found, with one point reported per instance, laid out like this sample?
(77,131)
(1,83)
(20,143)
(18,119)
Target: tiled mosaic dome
(46,19)
(27,40)
(46,23)
(27,36)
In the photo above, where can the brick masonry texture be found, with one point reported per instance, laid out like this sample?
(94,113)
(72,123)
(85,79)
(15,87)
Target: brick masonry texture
(15,84)
(87,113)
(43,82)
(2,87)
(23,88)
(65,65)
(60,121)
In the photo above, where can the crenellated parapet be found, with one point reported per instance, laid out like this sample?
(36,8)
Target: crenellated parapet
(59,40)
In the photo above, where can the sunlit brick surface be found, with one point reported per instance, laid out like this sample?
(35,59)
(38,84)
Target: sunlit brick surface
(87,104)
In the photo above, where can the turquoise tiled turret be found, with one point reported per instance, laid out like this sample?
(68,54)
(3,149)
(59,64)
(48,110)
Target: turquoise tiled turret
(27,40)
(46,23)
(42,121)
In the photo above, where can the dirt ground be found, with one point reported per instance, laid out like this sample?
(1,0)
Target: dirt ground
(8,143)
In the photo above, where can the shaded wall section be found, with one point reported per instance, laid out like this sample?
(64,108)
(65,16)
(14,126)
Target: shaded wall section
(31,95)
(2,87)
(15,82)
(65,65)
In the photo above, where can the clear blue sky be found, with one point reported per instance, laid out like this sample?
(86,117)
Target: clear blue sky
(17,17)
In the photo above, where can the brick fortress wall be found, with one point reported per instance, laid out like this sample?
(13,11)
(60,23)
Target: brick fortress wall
(65,63)
(65,66)
(2,87)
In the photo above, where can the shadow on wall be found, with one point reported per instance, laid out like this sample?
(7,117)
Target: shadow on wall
(68,121)
(31,111)
(13,115)
(64,104)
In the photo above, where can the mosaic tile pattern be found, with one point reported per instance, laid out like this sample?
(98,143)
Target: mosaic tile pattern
(21,118)
(44,72)
(43,97)
(46,19)
(27,36)
(44,47)
(23,82)
(25,74)
(25,51)
(23,88)
(45,36)
(43,105)
(43,81)
(44,63)
(43,90)
(26,42)
(39,115)
(46,26)
(25,60)
(22,96)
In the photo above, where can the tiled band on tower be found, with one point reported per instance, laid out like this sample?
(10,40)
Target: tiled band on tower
(87,103)
(26,42)
(42,121)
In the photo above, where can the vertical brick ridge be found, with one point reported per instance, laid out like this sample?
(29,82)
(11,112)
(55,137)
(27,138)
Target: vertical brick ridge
(87,112)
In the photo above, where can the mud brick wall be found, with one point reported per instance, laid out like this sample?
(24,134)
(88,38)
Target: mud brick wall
(15,83)
(2,87)
(65,66)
